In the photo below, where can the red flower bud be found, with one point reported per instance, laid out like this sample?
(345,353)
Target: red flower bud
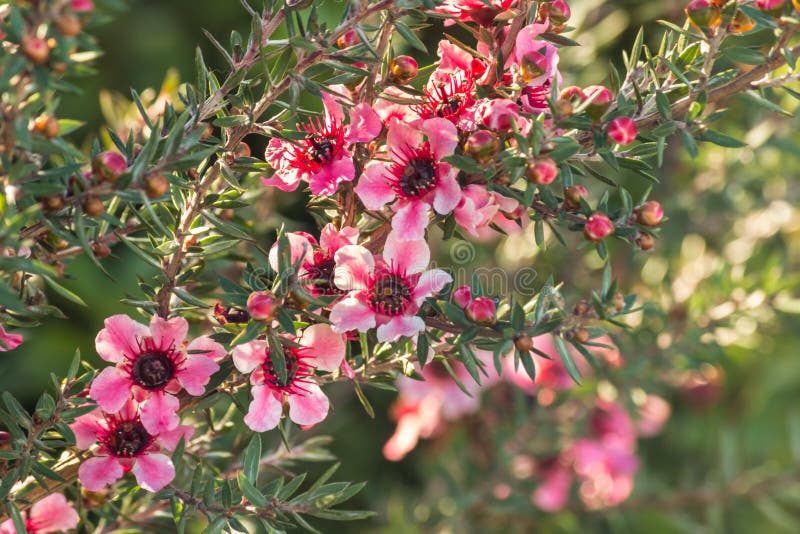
(704,14)
(523,343)
(622,130)
(262,306)
(771,7)
(462,295)
(572,94)
(601,98)
(68,24)
(155,185)
(598,227)
(403,69)
(645,241)
(107,166)
(93,206)
(482,310)
(350,38)
(542,171)
(573,195)
(649,214)
(482,145)
(35,49)
(242,150)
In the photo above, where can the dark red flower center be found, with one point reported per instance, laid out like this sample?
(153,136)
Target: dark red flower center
(127,439)
(322,144)
(293,368)
(320,277)
(447,100)
(321,149)
(152,370)
(390,294)
(418,177)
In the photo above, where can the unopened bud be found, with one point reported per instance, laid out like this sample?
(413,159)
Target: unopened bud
(772,7)
(482,145)
(155,185)
(262,306)
(68,25)
(523,343)
(35,49)
(645,241)
(403,69)
(601,98)
(462,295)
(101,250)
(541,171)
(572,197)
(107,166)
(619,302)
(581,335)
(649,214)
(481,310)
(741,23)
(598,227)
(47,126)
(581,308)
(350,38)
(93,206)
(557,12)
(242,150)
(622,130)
(705,14)
(53,202)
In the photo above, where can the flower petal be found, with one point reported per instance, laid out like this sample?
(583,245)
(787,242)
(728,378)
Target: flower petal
(373,186)
(265,410)
(430,282)
(119,338)
(98,472)
(85,429)
(351,314)
(402,325)
(168,332)
(401,135)
(111,389)
(365,124)
(9,341)
(53,514)
(327,346)
(205,346)
(159,412)
(309,407)
(354,264)
(409,257)
(153,471)
(447,194)
(195,373)
(171,438)
(331,239)
(326,181)
(299,247)
(249,356)
(442,135)
(410,221)
(333,109)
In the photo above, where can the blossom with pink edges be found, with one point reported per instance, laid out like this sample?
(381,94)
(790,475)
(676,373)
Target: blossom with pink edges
(9,341)
(480,209)
(319,347)
(51,514)
(482,12)
(416,176)
(385,291)
(125,445)
(152,364)
(317,263)
(500,114)
(323,157)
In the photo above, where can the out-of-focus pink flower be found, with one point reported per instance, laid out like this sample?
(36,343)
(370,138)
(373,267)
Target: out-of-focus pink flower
(417,177)
(323,158)
(125,445)
(386,291)
(482,12)
(9,341)
(152,364)
(51,514)
(316,268)
(82,5)
(605,471)
(320,348)
(499,114)
(653,415)
(552,494)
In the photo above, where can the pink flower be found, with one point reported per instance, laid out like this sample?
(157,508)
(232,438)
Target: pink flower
(450,96)
(261,305)
(534,98)
(482,12)
(125,444)
(319,348)
(152,363)
(605,472)
(323,158)
(552,494)
(622,130)
(653,415)
(416,177)
(453,60)
(386,291)
(537,60)
(82,5)
(479,208)
(51,514)
(9,341)
(317,259)
(499,114)
(390,110)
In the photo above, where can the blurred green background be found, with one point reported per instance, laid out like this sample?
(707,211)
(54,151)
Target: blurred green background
(724,277)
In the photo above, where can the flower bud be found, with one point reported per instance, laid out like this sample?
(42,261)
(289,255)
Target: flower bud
(741,23)
(622,130)
(598,227)
(572,94)
(68,25)
(107,166)
(557,12)
(482,145)
(262,306)
(645,241)
(242,150)
(155,185)
(350,38)
(93,206)
(771,7)
(573,195)
(101,250)
(462,295)
(35,49)
(649,214)
(541,171)
(619,302)
(601,98)
(53,202)
(47,126)
(705,14)
(581,308)
(523,343)
(581,335)
(403,69)
(482,310)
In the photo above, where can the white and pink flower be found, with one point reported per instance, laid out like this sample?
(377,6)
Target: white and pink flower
(323,158)
(317,258)
(319,347)
(125,445)
(51,514)
(385,291)
(152,365)
(416,176)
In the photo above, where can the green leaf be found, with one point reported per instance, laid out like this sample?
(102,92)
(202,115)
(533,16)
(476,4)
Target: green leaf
(63,291)
(250,491)
(747,56)
(410,37)
(721,139)
(277,357)
(252,459)
(566,359)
